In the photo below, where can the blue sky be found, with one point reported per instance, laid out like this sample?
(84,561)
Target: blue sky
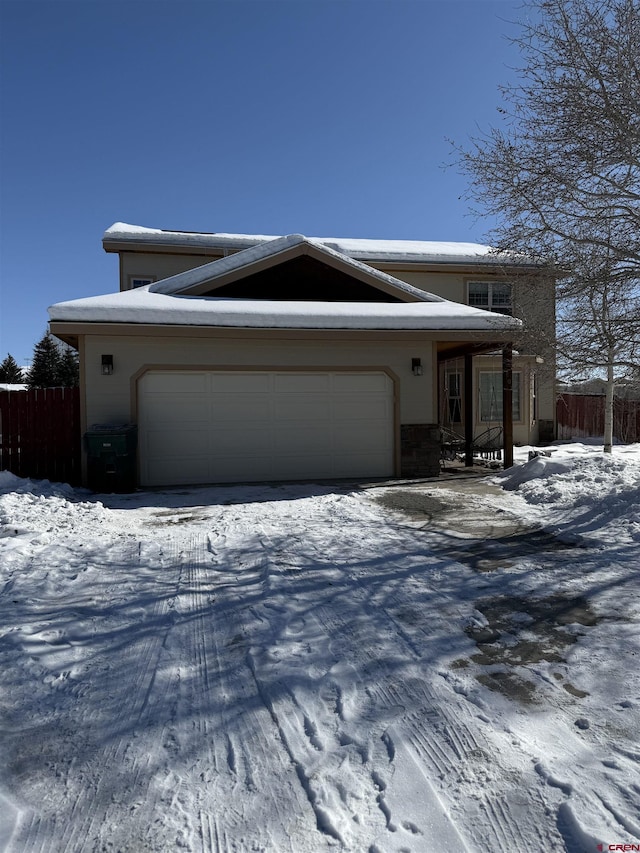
(321,117)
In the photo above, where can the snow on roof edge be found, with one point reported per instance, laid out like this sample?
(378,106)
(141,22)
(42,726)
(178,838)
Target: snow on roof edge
(415,251)
(141,306)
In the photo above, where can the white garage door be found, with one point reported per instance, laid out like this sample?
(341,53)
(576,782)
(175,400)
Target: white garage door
(218,426)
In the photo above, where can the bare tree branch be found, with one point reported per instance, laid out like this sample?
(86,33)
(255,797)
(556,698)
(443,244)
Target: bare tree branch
(562,174)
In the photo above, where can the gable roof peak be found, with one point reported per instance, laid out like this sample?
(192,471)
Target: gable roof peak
(277,250)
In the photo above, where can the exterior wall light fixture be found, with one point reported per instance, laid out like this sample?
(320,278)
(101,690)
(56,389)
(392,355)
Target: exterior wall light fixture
(107,365)
(416,367)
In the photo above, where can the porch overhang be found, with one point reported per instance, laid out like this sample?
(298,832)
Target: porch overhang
(450,350)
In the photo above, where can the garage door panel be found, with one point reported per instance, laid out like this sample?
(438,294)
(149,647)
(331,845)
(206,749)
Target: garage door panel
(192,442)
(238,382)
(240,468)
(176,409)
(240,409)
(301,383)
(361,383)
(308,440)
(175,382)
(302,408)
(234,426)
(302,467)
(351,439)
(363,409)
(240,442)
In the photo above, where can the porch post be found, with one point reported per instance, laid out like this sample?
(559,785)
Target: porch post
(468,410)
(507,404)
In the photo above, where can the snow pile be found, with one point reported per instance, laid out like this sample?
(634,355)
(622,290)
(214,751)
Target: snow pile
(43,488)
(579,479)
(9,481)
(31,507)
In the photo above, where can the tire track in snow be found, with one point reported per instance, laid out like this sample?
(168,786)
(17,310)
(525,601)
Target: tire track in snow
(330,765)
(137,713)
(79,810)
(183,744)
(385,705)
(237,746)
(207,695)
(327,797)
(459,758)
(325,783)
(447,741)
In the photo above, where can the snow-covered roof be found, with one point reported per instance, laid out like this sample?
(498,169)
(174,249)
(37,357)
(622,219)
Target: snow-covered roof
(273,249)
(398,251)
(145,306)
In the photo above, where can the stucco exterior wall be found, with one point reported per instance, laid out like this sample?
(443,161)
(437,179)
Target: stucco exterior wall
(448,285)
(110,399)
(157,266)
(533,298)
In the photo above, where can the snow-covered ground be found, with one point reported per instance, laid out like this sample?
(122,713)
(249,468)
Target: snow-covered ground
(362,667)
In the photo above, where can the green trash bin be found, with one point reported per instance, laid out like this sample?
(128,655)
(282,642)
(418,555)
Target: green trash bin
(112,457)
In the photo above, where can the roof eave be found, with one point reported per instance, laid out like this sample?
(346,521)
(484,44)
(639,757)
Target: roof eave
(73,329)
(200,243)
(492,264)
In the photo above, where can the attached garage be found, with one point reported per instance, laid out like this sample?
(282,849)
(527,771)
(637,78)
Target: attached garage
(287,360)
(208,426)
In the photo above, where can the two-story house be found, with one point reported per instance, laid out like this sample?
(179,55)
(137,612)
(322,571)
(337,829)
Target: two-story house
(250,357)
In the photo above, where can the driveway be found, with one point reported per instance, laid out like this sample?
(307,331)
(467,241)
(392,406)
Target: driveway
(297,668)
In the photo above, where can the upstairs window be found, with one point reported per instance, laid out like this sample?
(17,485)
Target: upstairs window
(139,281)
(491,295)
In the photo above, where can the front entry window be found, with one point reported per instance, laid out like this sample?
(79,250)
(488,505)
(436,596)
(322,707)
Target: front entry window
(454,397)
(490,386)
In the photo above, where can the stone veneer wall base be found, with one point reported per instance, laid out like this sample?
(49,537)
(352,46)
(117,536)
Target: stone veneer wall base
(419,450)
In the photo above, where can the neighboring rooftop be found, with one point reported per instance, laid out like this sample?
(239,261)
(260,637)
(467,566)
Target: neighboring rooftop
(628,389)
(122,235)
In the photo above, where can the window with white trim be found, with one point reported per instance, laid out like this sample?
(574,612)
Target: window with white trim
(490,295)
(454,397)
(490,393)
(139,281)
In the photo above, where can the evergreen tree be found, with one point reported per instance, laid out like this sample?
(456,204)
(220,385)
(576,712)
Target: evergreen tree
(68,370)
(10,372)
(45,367)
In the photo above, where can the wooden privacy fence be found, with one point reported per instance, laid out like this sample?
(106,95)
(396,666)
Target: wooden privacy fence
(582,416)
(40,434)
